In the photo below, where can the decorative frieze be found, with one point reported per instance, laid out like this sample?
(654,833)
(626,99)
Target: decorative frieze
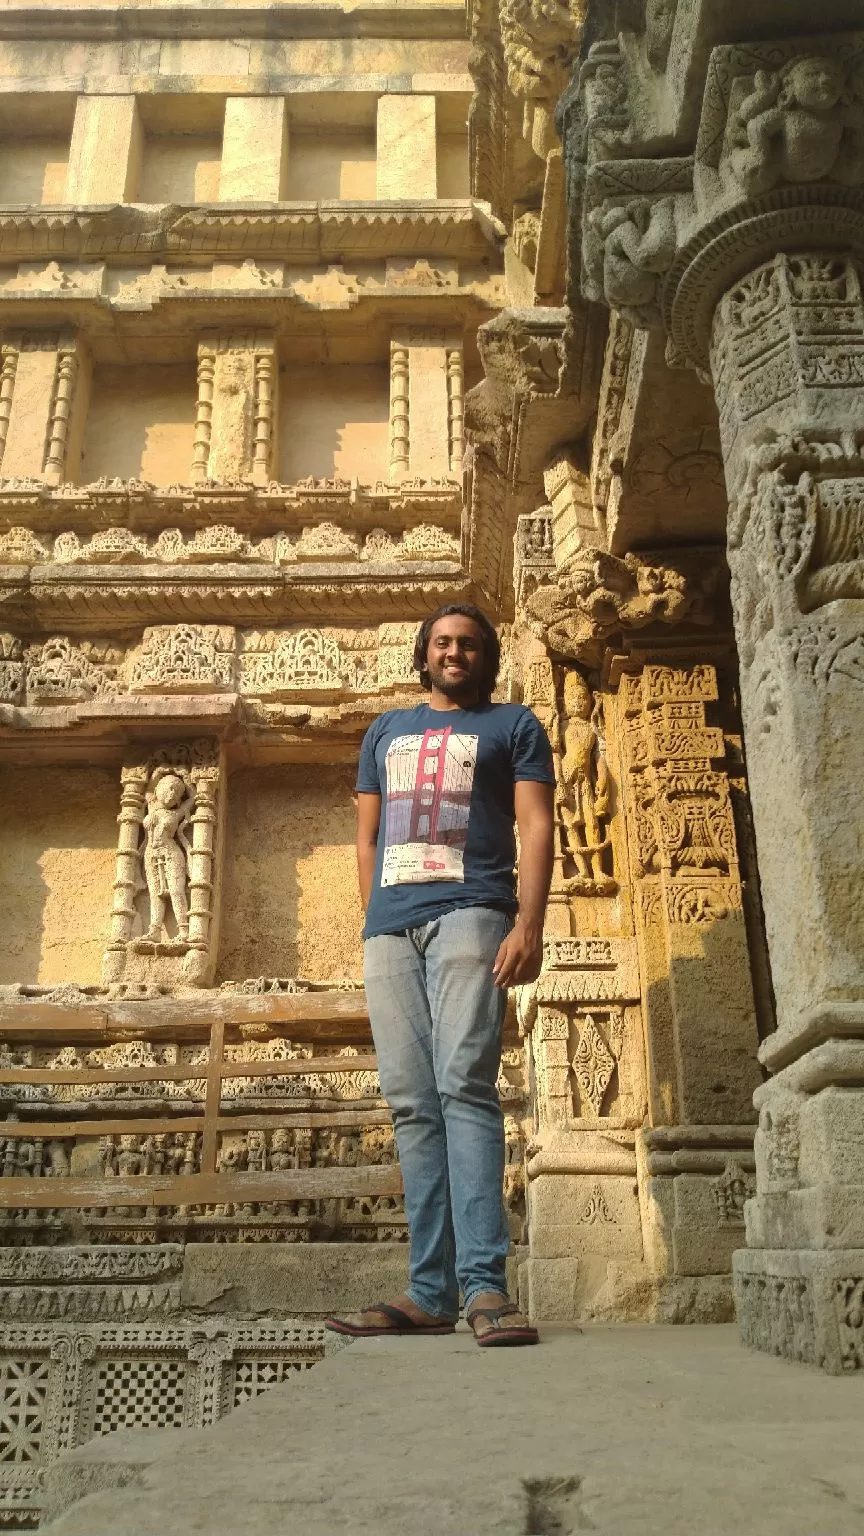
(222,543)
(192,659)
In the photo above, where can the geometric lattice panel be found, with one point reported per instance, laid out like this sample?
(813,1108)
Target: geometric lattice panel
(62,1382)
(139,1394)
(252,1377)
(23,1390)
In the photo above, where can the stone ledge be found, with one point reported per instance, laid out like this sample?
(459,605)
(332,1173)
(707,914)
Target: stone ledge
(388,1437)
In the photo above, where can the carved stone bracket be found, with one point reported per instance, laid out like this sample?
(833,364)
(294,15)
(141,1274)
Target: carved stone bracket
(595,595)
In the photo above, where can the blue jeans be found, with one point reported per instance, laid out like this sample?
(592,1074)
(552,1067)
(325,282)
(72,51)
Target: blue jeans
(436,1020)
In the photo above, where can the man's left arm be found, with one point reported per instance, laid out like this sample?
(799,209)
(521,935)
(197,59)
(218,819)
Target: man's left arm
(521,955)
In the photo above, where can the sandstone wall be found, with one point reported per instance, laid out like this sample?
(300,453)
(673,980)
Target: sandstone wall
(290,901)
(56,868)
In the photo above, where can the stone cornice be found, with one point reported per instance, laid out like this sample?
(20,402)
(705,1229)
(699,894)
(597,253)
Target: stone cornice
(252,509)
(46,600)
(184,302)
(307,231)
(443,19)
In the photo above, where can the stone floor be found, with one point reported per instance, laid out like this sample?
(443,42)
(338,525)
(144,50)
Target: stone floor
(620,1430)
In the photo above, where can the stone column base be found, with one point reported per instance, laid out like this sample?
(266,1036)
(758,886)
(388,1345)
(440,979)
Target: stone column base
(806,1306)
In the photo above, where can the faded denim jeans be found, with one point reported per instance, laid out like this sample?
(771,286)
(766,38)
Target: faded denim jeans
(436,1020)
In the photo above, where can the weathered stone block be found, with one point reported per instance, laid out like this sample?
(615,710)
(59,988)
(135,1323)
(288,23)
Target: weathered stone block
(577,1214)
(289,1280)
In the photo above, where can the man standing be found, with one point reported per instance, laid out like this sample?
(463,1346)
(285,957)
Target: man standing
(444,939)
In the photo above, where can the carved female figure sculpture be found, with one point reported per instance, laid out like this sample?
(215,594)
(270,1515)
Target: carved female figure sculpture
(166,851)
(583,791)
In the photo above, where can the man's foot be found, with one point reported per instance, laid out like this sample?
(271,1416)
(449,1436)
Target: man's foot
(398,1317)
(495,1321)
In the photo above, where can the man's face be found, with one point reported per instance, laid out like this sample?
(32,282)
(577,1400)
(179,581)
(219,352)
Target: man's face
(454,656)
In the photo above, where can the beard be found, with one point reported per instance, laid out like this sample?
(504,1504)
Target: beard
(464,687)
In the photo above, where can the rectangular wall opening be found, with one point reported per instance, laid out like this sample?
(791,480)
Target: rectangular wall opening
(181,151)
(141,423)
(451,145)
(35,134)
(334,420)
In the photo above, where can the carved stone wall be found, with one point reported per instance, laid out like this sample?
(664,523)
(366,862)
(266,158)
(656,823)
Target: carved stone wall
(642,1153)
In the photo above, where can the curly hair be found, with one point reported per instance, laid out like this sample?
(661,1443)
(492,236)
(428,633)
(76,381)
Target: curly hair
(491,646)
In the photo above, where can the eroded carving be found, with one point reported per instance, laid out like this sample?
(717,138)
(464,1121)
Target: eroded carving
(801,123)
(595,594)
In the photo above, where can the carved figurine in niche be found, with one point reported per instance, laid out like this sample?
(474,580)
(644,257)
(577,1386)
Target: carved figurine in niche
(801,123)
(166,852)
(583,792)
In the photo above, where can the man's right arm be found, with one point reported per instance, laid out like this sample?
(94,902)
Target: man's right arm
(368,822)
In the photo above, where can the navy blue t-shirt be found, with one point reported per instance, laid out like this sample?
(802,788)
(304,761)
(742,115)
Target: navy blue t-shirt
(446,779)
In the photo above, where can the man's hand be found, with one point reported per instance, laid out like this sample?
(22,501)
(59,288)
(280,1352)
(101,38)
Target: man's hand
(520,956)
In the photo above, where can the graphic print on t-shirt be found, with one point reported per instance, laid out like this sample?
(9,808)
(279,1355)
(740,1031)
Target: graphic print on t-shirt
(429,783)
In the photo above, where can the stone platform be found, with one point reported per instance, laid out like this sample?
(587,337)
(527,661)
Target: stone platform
(620,1430)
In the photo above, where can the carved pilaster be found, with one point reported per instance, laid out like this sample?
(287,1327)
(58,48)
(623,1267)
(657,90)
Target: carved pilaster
(688,903)
(66,412)
(203,413)
(202,870)
(263,434)
(399,419)
(127,877)
(8,370)
(236,415)
(455,408)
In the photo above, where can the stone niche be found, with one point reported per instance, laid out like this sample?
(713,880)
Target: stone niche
(141,424)
(34,148)
(290,904)
(332,161)
(334,421)
(56,871)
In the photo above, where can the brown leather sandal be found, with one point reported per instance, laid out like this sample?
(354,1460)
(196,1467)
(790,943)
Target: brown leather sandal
(497,1336)
(400,1323)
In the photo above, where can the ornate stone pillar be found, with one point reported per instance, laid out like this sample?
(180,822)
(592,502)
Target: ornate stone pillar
(426,403)
(747,248)
(787,357)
